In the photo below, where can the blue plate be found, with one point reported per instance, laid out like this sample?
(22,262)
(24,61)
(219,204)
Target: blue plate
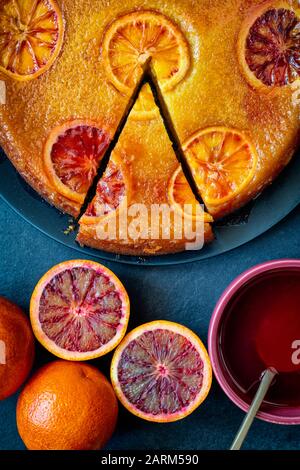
(268,209)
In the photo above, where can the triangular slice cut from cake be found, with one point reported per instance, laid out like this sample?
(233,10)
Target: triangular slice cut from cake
(143,203)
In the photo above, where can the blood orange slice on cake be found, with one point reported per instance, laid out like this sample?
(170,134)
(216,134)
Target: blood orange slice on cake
(31,36)
(161,371)
(223,163)
(269,46)
(112,189)
(133,39)
(79,310)
(72,155)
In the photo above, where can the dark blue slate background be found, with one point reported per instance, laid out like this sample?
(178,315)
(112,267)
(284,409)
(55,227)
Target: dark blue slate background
(186,294)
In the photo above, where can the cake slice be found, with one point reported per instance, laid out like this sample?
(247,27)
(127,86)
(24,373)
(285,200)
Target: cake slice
(144,177)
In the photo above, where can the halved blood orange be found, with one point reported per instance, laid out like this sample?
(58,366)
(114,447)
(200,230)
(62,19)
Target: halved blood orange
(182,198)
(72,154)
(31,36)
(144,108)
(136,37)
(269,45)
(222,161)
(161,371)
(79,310)
(111,192)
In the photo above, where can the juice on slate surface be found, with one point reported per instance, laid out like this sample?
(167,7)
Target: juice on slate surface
(261,329)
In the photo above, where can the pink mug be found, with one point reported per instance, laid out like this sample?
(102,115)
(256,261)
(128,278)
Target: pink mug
(271,413)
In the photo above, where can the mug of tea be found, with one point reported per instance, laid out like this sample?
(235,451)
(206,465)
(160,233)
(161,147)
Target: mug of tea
(256,326)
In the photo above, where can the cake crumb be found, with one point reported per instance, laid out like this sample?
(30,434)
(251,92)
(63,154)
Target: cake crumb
(71,227)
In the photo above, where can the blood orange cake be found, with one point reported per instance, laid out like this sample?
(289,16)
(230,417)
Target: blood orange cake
(228,73)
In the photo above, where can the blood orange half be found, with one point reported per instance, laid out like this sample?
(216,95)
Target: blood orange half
(31,36)
(269,45)
(72,154)
(79,310)
(161,372)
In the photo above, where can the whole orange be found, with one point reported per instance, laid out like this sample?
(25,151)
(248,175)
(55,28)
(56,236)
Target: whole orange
(67,406)
(16,348)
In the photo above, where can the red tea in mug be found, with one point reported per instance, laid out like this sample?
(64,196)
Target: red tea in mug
(262,329)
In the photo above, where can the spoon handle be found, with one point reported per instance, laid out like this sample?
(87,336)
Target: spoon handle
(265,383)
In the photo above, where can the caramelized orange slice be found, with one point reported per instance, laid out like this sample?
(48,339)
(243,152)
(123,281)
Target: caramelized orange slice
(222,161)
(136,37)
(72,155)
(181,197)
(269,46)
(110,194)
(31,35)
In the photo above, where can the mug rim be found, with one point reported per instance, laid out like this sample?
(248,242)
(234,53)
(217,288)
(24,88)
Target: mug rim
(213,335)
